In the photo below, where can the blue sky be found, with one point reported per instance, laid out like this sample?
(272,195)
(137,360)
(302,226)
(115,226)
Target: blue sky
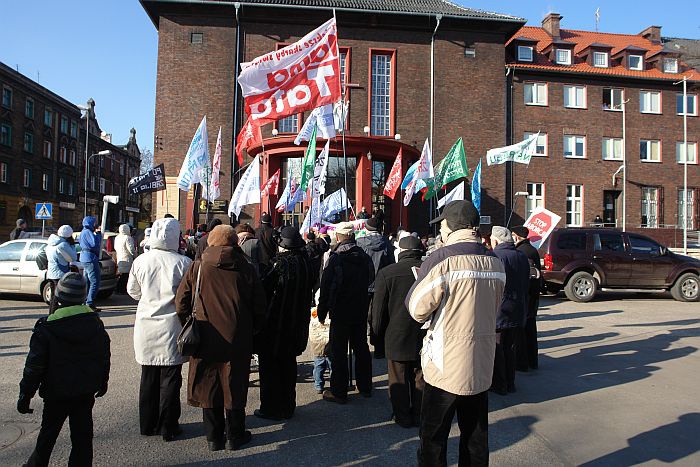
(107,50)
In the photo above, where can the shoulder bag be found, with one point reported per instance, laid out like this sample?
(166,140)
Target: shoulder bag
(189,338)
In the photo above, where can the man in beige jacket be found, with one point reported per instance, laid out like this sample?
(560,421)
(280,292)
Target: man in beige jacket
(458,290)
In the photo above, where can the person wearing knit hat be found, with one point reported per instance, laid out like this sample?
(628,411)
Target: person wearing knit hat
(60,254)
(68,363)
(513,309)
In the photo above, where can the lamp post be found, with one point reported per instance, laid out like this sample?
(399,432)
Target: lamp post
(86,108)
(685,163)
(87,167)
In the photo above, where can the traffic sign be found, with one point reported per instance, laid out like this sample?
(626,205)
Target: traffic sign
(44,211)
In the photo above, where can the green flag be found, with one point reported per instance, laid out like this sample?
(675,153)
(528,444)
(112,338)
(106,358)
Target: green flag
(307,167)
(452,167)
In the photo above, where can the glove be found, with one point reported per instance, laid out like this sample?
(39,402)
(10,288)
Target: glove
(23,404)
(102,391)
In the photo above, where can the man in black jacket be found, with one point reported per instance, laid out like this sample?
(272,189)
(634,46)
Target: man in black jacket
(344,284)
(400,333)
(68,363)
(526,342)
(266,235)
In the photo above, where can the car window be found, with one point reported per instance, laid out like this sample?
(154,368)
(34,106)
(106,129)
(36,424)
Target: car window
(572,241)
(645,246)
(12,251)
(609,242)
(34,249)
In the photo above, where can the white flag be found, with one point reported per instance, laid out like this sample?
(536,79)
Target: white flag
(519,152)
(212,191)
(457,193)
(322,117)
(424,170)
(340,114)
(321,172)
(247,190)
(196,159)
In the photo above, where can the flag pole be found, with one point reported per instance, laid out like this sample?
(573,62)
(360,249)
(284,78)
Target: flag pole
(342,130)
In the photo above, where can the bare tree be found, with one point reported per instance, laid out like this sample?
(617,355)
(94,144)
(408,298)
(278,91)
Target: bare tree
(146,161)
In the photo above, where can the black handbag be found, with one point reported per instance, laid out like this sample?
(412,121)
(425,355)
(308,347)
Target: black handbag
(189,338)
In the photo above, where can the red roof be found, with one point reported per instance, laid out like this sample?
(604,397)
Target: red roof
(583,39)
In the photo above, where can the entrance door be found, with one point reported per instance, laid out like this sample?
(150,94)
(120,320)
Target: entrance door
(381,204)
(610,201)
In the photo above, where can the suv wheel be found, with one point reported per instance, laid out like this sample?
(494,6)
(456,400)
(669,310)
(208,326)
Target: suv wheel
(581,287)
(686,288)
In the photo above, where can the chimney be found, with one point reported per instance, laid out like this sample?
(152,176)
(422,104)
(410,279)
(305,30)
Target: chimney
(550,23)
(652,33)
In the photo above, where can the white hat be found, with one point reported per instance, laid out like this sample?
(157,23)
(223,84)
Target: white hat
(65,231)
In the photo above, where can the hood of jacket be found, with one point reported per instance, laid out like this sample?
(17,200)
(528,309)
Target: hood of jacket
(165,235)
(124,229)
(505,246)
(73,324)
(243,236)
(373,241)
(55,240)
(90,222)
(225,257)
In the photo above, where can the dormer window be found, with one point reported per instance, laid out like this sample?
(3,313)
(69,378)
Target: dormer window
(563,57)
(670,65)
(524,53)
(600,59)
(635,62)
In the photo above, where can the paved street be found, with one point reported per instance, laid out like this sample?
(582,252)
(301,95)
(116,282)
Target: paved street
(617,385)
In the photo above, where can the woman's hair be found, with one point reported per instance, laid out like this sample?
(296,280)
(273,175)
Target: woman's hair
(222,235)
(240,228)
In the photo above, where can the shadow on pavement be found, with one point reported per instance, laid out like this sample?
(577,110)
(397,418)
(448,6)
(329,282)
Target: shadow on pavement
(505,433)
(558,332)
(667,443)
(566,341)
(575,315)
(682,322)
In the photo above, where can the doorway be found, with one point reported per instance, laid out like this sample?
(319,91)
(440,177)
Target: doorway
(611,200)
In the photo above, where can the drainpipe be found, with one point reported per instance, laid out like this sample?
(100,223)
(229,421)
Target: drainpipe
(508,198)
(235,96)
(432,97)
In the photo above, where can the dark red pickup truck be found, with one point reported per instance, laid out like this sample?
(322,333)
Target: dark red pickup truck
(582,261)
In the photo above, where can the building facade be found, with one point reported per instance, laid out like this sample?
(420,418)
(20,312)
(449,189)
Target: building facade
(386,74)
(572,87)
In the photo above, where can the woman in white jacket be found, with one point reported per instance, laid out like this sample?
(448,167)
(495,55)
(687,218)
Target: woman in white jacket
(154,279)
(125,248)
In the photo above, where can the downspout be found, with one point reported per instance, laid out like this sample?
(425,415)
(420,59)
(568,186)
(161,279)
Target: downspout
(235,96)
(432,97)
(508,199)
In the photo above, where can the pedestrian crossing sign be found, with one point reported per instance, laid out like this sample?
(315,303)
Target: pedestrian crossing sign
(44,211)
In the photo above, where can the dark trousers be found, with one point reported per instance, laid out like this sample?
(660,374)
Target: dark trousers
(79,414)
(122,282)
(504,363)
(278,381)
(526,345)
(53,304)
(159,399)
(355,335)
(220,423)
(439,408)
(405,390)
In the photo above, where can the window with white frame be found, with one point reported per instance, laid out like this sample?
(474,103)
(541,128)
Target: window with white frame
(3,172)
(535,198)
(691,103)
(613,98)
(575,97)
(61,185)
(650,102)
(535,93)
(692,153)
(612,149)
(45,182)
(574,146)
(71,157)
(288,124)
(381,94)
(541,144)
(563,56)
(670,65)
(26,178)
(686,208)
(524,53)
(650,150)
(635,62)
(574,205)
(600,59)
(650,207)
(47,149)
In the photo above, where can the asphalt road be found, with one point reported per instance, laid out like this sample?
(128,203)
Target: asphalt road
(617,385)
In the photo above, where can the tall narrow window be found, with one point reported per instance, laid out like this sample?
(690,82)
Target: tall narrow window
(574,205)
(650,207)
(691,103)
(71,157)
(28,142)
(45,182)
(74,129)
(575,97)
(650,150)
(5,134)
(7,97)
(61,185)
(26,178)
(29,108)
(48,118)
(381,97)
(3,172)
(71,187)
(535,93)
(686,208)
(650,102)
(47,149)
(64,124)
(612,99)
(535,198)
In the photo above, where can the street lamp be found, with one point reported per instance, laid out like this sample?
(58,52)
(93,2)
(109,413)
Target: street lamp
(87,167)
(685,163)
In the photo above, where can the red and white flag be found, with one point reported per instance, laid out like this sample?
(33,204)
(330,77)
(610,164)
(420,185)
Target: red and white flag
(393,182)
(300,77)
(248,136)
(272,185)
(212,192)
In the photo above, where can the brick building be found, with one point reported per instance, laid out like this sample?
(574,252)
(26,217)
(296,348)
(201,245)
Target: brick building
(42,153)
(570,86)
(386,71)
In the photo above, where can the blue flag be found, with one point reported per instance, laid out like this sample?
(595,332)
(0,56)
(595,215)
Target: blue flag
(476,188)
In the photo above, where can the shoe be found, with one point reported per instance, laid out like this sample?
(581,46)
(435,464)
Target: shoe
(403,423)
(216,446)
(237,443)
(260,414)
(170,436)
(94,308)
(319,391)
(149,433)
(330,397)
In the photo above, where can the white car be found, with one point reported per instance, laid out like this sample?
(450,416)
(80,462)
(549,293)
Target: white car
(19,273)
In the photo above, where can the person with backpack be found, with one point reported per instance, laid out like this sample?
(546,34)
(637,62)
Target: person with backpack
(60,253)
(68,363)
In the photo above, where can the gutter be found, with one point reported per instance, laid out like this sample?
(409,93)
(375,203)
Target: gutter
(574,73)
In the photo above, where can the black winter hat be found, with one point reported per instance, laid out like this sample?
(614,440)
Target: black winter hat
(460,214)
(521,231)
(290,238)
(410,243)
(266,219)
(71,289)
(372,224)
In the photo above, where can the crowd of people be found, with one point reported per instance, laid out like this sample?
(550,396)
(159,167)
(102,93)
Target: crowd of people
(454,315)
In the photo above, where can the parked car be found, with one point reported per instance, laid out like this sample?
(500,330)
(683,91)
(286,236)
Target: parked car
(582,261)
(19,273)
